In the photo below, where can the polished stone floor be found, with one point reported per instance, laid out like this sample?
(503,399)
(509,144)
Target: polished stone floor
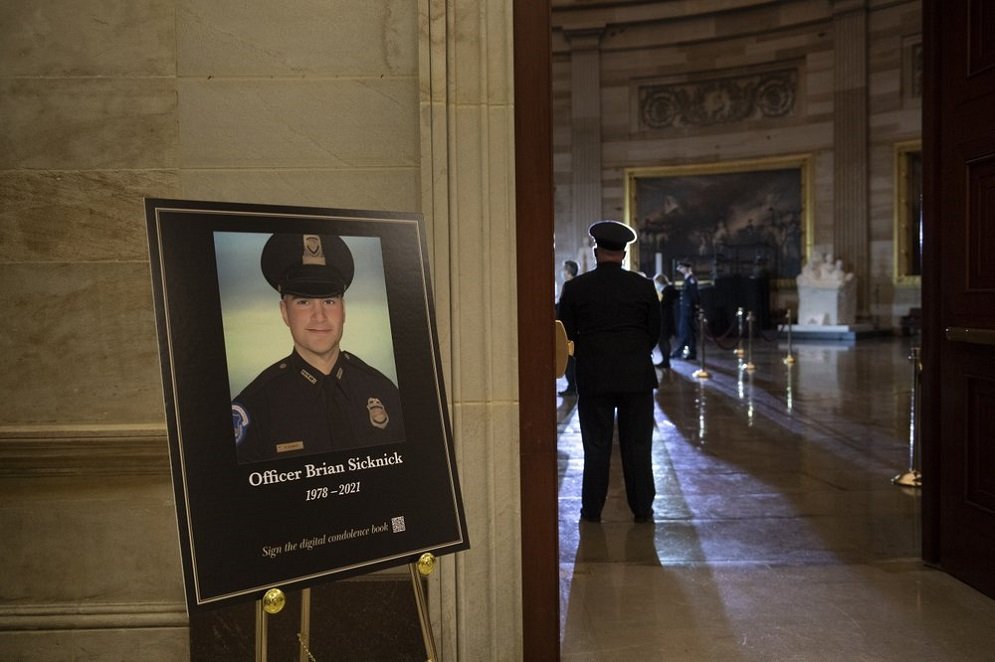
(778,533)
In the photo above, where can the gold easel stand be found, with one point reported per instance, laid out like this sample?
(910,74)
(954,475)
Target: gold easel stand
(274,601)
(423,568)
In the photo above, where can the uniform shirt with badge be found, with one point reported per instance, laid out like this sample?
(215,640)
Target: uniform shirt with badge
(293,409)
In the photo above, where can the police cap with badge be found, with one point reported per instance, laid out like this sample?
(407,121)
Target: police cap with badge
(612,235)
(308,265)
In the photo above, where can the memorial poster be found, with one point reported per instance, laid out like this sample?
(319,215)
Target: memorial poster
(308,427)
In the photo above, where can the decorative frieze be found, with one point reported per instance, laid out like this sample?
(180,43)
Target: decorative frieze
(718,100)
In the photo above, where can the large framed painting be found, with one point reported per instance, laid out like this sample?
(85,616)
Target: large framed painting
(908,212)
(307,421)
(742,217)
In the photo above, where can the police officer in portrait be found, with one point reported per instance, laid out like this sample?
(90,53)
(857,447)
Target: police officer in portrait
(613,317)
(320,398)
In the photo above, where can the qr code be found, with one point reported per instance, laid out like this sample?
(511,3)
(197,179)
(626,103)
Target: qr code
(397,524)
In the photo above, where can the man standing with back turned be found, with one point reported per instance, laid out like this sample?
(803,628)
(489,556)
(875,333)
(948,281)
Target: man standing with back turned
(613,317)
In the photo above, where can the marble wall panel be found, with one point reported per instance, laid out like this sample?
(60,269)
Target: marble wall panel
(822,183)
(87,38)
(500,243)
(79,344)
(490,466)
(394,189)
(881,200)
(77,216)
(110,541)
(106,123)
(487,333)
(303,38)
(469,60)
(250,123)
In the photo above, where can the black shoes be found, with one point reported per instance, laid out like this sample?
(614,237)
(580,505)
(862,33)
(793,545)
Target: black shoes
(569,391)
(638,519)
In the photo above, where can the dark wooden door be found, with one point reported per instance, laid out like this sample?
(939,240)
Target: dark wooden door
(959,288)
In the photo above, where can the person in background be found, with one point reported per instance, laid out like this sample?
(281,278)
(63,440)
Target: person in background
(568,273)
(688,306)
(613,317)
(668,316)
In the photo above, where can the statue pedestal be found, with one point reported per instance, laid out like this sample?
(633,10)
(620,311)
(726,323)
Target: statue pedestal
(834,333)
(833,304)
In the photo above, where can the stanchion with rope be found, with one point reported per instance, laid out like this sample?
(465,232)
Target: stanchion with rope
(790,357)
(912,477)
(749,343)
(701,373)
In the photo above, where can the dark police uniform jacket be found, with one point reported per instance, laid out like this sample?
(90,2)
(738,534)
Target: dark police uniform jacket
(293,409)
(689,298)
(613,317)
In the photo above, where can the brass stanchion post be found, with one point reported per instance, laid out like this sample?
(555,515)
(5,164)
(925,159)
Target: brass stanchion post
(740,352)
(912,477)
(790,358)
(701,373)
(749,343)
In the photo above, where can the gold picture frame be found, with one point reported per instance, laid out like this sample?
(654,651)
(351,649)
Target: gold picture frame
(907,225)
(738,217)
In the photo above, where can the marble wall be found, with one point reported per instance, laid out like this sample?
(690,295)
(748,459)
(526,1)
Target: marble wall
(386,105)
(684,45)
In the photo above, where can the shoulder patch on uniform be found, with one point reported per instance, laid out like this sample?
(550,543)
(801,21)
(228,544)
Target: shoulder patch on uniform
(239,421)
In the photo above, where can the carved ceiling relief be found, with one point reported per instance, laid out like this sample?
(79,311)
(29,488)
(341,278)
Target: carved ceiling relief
(718,101)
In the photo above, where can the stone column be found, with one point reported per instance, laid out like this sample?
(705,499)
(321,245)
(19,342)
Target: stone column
(585,134)
(850,145)
(468,198)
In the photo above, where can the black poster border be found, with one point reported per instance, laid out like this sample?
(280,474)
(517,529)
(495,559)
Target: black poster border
(293,522)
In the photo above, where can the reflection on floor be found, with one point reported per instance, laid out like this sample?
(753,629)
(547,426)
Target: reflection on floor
(778,533)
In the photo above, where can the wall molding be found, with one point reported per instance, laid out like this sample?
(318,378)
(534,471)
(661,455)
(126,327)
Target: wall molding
(74,450)
(92,616)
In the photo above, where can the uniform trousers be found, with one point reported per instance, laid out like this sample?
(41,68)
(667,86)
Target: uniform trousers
(686,335)
(635,437)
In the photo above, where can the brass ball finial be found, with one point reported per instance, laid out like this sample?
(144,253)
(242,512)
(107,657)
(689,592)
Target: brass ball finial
(274,601)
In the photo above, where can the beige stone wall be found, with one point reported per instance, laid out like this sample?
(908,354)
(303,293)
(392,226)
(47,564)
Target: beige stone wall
(694,42)
(387,105)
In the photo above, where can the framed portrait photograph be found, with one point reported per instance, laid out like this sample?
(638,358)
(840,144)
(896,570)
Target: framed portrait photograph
(729,218)
(306,413)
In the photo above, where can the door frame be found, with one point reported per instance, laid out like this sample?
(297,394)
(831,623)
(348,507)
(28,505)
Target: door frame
(536,384)
(932,326)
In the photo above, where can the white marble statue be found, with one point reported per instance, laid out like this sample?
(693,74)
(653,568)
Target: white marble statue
(826,293)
